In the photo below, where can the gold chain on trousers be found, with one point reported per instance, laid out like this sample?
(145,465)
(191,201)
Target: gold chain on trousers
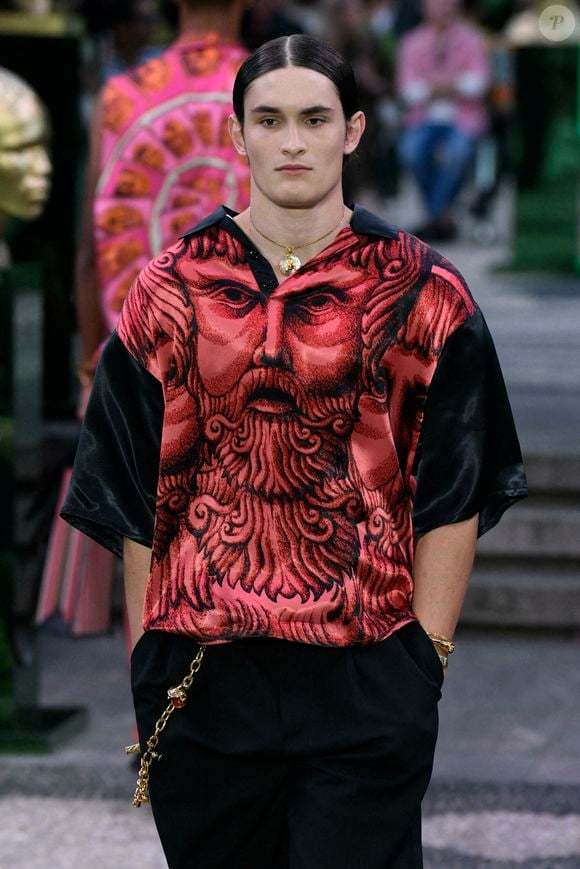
(177,697)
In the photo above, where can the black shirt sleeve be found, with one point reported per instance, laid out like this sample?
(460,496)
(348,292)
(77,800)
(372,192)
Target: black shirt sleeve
(469,459)
(113,490)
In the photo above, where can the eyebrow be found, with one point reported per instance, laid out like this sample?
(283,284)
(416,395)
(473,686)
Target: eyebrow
(274,110)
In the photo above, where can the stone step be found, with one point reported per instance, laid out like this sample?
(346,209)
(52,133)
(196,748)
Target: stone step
(535,595)
(535,529)
(556,473)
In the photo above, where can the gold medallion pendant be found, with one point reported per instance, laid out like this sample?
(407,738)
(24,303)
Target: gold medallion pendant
(289,264)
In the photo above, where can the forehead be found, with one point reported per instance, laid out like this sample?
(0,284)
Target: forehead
(292,87)
(22,124)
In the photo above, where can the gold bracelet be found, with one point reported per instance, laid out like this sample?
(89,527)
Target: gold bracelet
(444,642)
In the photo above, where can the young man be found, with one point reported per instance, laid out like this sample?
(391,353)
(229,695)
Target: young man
(295,397)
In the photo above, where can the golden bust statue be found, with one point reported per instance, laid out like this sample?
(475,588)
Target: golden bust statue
(25,166)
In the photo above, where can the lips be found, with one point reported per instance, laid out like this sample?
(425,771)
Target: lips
(294,167)
(271,400)
(37,192)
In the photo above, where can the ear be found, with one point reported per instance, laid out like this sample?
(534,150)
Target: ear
(355,127)
(237,134)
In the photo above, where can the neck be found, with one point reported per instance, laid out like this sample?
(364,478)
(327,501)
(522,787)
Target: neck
(441,26)
(294,227)
(226,22)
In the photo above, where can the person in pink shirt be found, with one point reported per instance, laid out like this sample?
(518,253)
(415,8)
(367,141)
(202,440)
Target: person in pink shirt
(443,76)
(160,158)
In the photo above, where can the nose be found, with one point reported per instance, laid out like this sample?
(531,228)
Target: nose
(293,143)
(40,161)
(272,350)
(45,162)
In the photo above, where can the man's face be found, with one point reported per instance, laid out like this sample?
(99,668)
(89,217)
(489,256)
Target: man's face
(294,118)
(441,11)
(313,331)
(24,162)
(280,369)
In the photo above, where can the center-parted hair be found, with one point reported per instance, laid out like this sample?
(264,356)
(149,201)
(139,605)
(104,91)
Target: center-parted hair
(298,50)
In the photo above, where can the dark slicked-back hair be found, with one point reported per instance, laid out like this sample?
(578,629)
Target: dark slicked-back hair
(298,50)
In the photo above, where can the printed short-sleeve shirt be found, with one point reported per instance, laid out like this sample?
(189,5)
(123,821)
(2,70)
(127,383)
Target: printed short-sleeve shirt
(282,446)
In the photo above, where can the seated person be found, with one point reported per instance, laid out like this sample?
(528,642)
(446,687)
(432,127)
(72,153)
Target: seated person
(443,76)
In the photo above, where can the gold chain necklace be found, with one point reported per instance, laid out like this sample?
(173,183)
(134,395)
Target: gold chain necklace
(290,262)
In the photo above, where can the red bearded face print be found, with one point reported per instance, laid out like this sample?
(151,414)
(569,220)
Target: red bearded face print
(292,414)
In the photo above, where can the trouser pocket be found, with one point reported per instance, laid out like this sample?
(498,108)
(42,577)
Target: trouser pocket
(421,652)
(149,676)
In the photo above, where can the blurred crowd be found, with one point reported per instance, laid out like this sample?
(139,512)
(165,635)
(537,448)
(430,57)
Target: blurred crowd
(436,82)
(436,78)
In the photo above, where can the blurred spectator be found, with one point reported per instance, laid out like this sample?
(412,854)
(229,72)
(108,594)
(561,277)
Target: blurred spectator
(494,159)
(366,40)
(395,16)
(309,15)
(443,78)
(161,159)
(267,20)
(121,33)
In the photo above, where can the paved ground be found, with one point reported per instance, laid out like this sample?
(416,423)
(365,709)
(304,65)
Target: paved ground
(505,792)
(506,787)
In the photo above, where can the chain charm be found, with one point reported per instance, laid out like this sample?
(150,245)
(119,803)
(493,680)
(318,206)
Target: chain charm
(177,697)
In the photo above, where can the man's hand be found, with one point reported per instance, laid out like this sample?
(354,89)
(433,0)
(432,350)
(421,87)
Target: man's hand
(442,87)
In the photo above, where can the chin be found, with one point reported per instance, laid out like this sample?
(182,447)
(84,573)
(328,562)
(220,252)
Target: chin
(297,198)
(29,210)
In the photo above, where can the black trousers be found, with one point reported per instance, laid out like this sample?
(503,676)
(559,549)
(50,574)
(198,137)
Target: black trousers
(291,756)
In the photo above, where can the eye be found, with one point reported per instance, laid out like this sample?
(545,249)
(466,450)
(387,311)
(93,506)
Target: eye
(315,122)
(318,303)
(316,307)
(235,296)
(268,122)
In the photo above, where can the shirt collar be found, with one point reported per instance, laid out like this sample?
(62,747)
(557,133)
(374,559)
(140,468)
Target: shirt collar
(363,222)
